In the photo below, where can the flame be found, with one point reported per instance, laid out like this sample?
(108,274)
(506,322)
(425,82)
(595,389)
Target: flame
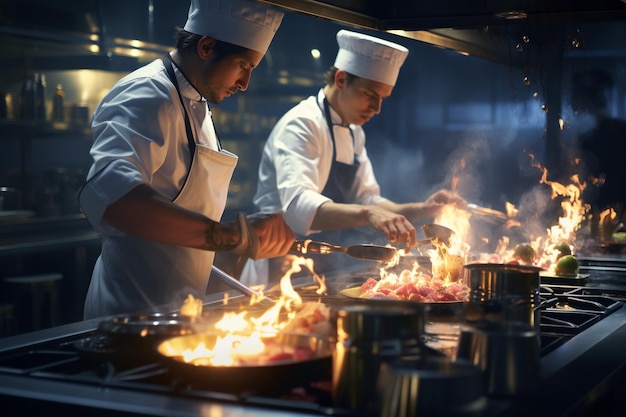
(241,334)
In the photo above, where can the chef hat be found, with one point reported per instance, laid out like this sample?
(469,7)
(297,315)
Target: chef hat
(369,57)
(239,22)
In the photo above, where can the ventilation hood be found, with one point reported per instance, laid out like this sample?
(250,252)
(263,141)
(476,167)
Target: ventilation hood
(491,29)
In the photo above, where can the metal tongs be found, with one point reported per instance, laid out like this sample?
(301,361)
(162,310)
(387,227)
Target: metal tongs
(366,252)
(235,284)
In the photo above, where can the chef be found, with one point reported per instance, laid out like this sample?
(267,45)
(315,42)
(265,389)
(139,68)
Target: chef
(315,167)
(158,184)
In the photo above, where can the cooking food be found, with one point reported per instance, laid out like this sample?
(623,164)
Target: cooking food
(311,318)
(567,265)
(426,289)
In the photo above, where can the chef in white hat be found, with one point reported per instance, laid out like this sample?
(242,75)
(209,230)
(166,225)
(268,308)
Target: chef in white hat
(315,166)
(158,184)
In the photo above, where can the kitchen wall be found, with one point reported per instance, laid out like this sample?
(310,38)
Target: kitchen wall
(445,106)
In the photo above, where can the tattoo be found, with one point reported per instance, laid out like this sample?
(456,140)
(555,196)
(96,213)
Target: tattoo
(220,238)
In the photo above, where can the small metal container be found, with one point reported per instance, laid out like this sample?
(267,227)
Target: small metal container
(368,334)
(430,386)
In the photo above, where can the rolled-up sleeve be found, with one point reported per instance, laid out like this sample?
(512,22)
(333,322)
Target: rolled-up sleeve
(130,128)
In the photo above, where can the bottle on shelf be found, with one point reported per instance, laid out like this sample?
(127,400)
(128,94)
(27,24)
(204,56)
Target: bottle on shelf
(27,99)
(40,97)
(58,112)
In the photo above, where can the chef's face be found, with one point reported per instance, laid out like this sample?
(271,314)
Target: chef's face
(360,98)
(223,76)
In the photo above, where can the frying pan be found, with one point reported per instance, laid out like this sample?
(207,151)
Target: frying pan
(270,378)
(435,311)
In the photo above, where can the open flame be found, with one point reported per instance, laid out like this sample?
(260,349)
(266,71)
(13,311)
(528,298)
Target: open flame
(242,337)
(574,212)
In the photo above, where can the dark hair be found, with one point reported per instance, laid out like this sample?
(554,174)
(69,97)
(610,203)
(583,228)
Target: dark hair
(187,43)
(329,76)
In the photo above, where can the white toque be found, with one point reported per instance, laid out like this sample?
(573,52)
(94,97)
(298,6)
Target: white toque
(369,57)
(240,22)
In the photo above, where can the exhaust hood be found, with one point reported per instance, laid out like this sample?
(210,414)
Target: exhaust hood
(491,29)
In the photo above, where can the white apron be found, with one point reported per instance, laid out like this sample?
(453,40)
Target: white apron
(136,275)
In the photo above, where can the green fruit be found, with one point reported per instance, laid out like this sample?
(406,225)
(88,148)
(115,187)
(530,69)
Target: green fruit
(525,253)
(563,248)
(567,265)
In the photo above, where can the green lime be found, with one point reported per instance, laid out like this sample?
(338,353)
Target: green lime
(567,265)
(563,248)
(525,253)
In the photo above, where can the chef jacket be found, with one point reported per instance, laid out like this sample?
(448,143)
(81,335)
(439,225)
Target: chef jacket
(140,138)
(296,163)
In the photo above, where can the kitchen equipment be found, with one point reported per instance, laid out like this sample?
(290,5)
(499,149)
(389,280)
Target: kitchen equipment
(508,353)
(256,378)
(366,251)
(235,284)
(435,311)
(46,366)
(503,293)
(367,336)
(436,231)
(430,386)
(487,214)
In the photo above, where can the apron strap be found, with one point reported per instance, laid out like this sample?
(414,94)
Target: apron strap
(168,62)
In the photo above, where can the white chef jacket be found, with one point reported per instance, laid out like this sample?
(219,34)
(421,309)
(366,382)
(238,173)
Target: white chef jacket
(296,163)
(140,138)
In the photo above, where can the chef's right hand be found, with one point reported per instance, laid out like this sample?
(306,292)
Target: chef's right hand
(395,226)
(264,235)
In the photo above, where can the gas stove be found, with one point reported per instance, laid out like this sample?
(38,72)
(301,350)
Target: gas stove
(70,369)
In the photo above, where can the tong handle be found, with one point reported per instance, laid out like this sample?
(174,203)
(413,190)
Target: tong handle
(323,248)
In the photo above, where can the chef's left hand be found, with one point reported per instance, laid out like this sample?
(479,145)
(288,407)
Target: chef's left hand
(441,198)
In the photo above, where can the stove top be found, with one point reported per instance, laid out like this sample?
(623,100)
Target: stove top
(79,369)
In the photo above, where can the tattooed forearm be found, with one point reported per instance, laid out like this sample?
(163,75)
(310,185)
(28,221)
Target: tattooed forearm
(220,237)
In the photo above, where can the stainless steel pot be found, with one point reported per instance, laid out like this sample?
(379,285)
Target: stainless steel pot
(367,336)
(508,353)
(502,293)
(430,386)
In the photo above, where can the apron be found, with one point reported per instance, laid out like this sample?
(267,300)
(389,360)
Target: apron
(150,276)
(340,181)
(342,175)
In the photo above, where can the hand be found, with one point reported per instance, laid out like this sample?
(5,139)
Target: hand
(264,235)
(436,201)
(395,226)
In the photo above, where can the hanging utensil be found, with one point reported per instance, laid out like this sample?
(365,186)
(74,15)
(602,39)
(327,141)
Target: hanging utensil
(235,284)
(366,252)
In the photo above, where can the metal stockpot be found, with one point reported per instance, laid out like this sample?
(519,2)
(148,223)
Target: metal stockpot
(503,293)
(508,354)
(368,335)
(434,386)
